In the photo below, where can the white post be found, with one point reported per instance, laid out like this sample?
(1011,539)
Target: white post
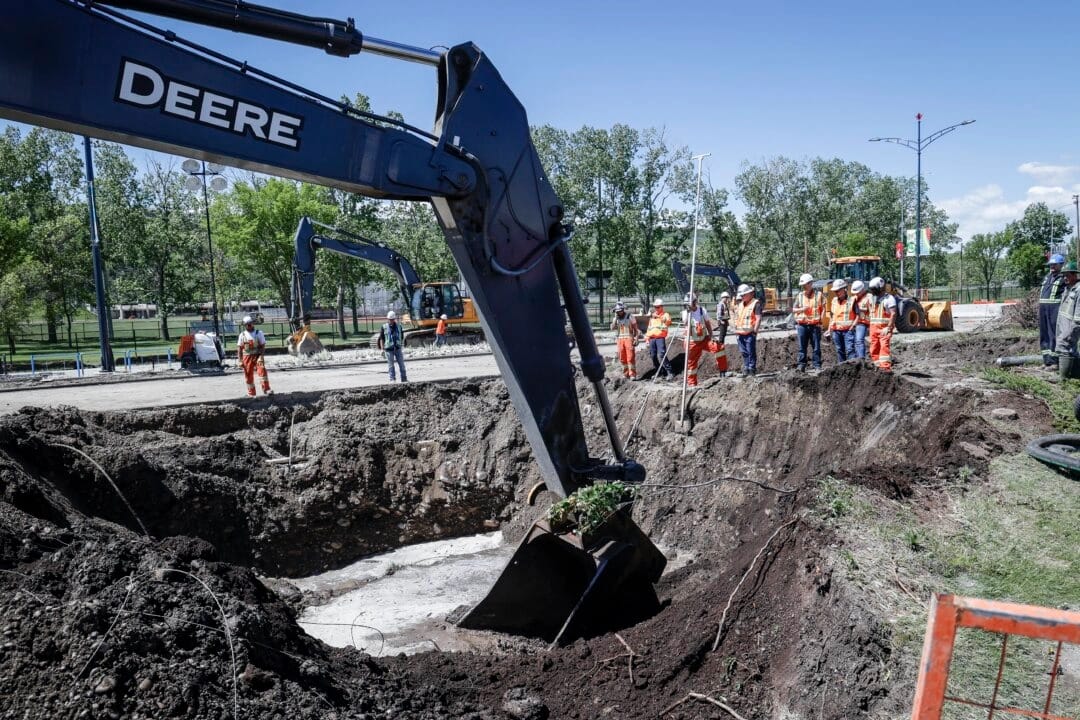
(693,268)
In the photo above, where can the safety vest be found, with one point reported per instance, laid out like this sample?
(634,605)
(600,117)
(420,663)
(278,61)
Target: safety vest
(624,326)
(864,304)
(440,329)
(815,309)
(744,317)
(843,313)
(696,329)
(251,341)
(392,336)
(880,314)
(1052,289)
(658,325)
(723,311)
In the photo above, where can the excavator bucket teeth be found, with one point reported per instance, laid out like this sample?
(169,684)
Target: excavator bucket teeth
(305,342)
(561,587)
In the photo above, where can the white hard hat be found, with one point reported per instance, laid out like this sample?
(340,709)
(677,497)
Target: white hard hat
(725,294)
(876,283)
(443,317)
(248,320)
(689,297)
(658,302)
(840,284)
(806,278)
(744,289)
(619,307)
(391,315)
(858,286)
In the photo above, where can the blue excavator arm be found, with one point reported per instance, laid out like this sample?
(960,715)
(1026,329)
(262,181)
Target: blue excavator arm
(84,67)
(682,277)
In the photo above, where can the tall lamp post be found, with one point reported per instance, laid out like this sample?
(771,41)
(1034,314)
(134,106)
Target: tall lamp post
(918,145)
(1076,204)
(199,170)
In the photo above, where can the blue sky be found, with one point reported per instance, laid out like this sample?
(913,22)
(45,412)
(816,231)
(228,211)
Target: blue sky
(746,80)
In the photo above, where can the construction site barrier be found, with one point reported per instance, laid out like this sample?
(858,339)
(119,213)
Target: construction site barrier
(76,357)
(949,613)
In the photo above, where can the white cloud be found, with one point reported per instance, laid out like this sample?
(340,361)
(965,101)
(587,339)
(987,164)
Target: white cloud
(1050,174)
(987,209)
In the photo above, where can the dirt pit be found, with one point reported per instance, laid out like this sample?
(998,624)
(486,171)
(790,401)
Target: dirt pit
(100,621)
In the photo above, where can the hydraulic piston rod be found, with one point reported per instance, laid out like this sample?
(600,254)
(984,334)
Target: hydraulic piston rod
(333,36)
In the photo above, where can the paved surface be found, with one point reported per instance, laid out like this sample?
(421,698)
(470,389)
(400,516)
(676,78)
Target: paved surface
(209,388)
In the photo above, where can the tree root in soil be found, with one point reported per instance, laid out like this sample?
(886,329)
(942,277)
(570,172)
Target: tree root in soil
(753,564)
(704,698)
(630,656)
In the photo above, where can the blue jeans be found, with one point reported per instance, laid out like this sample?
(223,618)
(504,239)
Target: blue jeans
(861,331)
(658,351)
(392,355)
(1048,313)
(748,349)
(844,340)
(809,335)
(440,340)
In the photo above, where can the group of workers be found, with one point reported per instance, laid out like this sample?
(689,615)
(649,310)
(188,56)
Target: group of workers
(860,322)
(1059,317)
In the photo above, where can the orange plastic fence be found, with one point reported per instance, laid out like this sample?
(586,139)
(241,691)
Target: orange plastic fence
(948,613)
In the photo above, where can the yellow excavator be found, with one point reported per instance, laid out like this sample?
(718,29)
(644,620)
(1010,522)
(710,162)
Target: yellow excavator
(913,313)
(427,302)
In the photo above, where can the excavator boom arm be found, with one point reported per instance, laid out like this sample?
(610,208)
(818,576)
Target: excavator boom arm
(308,239)
(682,276)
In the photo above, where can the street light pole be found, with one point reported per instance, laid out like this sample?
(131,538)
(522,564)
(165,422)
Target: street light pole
(199,169)
(693,269)
(1076,204)
(918,145)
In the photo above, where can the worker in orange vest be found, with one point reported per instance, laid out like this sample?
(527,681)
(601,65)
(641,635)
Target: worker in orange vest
(699,339)
(440,331)
(626,336)
(747,315)
(882,324)
(250,347)
(863,303)
(809,311)
(842,321)
(656,336)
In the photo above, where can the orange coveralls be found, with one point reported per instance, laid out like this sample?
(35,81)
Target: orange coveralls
(250,346)
(699,341)
(625,332)
(882,310)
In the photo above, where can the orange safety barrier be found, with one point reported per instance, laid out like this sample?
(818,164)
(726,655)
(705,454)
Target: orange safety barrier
(948,613)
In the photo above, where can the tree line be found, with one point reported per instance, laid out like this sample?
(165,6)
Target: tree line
(629,193)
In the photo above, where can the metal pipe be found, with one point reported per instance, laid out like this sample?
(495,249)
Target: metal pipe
(693,270)
(389,48)
(1012,360)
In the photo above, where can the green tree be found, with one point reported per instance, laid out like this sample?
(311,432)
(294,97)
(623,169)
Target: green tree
(1027,264)
(1041,225)
(984,254)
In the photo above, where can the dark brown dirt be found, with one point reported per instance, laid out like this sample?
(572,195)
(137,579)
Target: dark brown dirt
(401,464)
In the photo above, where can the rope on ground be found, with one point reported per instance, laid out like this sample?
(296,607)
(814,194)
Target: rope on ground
(705,698)
(753,563)
(114,486)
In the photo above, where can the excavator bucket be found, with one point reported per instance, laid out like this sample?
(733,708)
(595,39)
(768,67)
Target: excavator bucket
(304,342)
(938,314)
(564,586)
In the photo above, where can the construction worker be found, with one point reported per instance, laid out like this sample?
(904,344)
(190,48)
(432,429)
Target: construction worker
(1067,330)
(842,321)
(747,317)
(699,339)
(656,336)
(723,316)
(391,341)
(863,301)
(440,331)
(809,310)
(250,347)
(1049,302)
(626,336)
(882,323)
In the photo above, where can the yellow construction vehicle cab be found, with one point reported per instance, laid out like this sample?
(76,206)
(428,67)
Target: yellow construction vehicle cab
(912,313)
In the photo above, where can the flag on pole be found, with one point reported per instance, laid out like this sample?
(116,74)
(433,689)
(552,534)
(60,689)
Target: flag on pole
(899,250)
(924,242)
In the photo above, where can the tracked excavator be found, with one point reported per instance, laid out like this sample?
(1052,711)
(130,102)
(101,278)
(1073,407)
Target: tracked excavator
(89,68)
(426,301)
(767,297)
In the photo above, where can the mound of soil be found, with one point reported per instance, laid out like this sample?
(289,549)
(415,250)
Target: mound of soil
(99,621)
